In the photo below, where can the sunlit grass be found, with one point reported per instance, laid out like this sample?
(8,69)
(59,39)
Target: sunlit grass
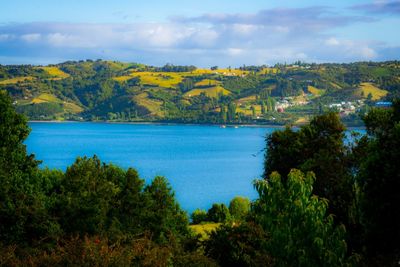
(315,91)
(368,88)
(154,106)
(211,92)
(45,97)
(17,80)
(207,82)
(162,79)
(56,72)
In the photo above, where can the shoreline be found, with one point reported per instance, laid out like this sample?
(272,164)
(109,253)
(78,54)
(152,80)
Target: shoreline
(186,124)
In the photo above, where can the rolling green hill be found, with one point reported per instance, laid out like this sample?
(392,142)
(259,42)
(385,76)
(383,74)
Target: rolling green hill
(117,91)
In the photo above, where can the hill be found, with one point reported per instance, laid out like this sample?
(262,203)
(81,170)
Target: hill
(117,91)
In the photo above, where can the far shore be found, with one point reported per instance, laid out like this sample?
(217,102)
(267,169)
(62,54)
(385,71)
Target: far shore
(188,124)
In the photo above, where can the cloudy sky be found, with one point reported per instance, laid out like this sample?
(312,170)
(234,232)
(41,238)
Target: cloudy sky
(203,33)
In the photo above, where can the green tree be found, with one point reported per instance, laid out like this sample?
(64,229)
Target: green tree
(239,207)
(218,213)
(300,231)
(379,179)
(199,216)
(231,114)
(239,245)
(317,147)
(23,192)
(163,215)
(86,195)
(262,107)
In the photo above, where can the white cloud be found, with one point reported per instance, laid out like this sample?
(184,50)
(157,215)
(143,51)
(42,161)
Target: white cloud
(31,37)
(332,41)
(265,37)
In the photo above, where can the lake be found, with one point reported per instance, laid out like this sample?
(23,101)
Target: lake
(204,164)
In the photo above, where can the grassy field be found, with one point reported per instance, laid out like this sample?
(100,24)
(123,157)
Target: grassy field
(204,229)
(207,82)
(368,88)
(154,106)
(55,72)
(45,97)
(72,108)
(162,79)
(247,110)
(122,78)
(211,92)
(68,106)
(315,91)
(246,99)
(17,80)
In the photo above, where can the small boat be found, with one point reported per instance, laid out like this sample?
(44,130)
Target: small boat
(222,126)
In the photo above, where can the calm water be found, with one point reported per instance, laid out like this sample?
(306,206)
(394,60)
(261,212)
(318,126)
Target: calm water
(204,164)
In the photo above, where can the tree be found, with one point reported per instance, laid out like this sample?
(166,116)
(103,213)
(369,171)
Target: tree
(299,229)
(239,207)
(262,107)
(239,245)
(231,114)
(379,179)
(253,111)
(163,215)
(23,209)
(86,195)
(199,216)
(218,213)
(316,147)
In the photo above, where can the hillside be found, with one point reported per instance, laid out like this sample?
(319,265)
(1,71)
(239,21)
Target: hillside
(116,91)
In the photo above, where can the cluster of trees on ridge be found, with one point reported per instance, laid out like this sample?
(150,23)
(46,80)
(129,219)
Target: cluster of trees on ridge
(106,90)
(322,202)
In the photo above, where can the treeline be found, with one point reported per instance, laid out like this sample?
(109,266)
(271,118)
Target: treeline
(323,201)
(106,90)
(173,68)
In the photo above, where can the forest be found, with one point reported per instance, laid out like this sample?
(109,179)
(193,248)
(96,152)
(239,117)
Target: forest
(322,201)
(98,90)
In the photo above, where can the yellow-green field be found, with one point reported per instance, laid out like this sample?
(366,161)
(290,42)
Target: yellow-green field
(72,108)
(55,72)
(211,92)
(45,97)
(204,229)
(162,79)
(246,99)
(122,78)
(118,65)
(247,110)
(68,106)
(368,88)
(315,91)
(154,106)
(207,82)
(17,80)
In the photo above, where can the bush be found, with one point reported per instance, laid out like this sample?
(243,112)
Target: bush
(239,207)
(199,216)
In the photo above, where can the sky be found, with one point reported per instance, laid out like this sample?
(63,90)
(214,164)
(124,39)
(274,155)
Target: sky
(203,33)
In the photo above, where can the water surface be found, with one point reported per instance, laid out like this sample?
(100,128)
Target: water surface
(204,164)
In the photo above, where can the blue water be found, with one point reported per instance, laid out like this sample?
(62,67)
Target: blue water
(204,164)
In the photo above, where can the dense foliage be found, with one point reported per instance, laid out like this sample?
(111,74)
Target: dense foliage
(115,91)
(323,202)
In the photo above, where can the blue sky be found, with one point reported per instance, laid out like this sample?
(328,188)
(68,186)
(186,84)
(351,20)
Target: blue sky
(203,33)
